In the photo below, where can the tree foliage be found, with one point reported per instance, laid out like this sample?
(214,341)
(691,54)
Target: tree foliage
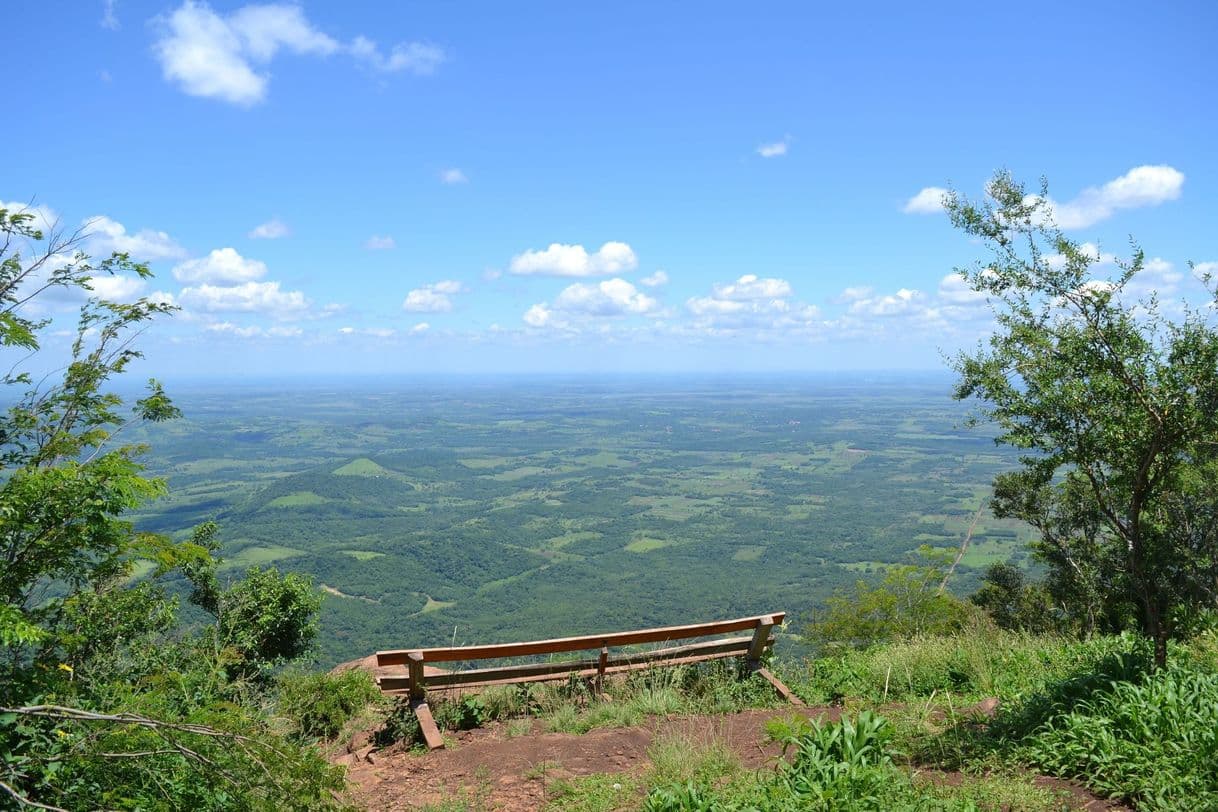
(104,701)
(907,602)
(1115,406)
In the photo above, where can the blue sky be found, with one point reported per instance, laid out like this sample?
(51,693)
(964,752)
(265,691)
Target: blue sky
(569,187)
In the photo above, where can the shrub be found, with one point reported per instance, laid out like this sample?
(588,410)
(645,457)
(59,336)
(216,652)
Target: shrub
(320,704)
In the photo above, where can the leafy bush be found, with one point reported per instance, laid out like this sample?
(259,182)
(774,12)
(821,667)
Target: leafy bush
(908,602)
(320,704)
(1152,739)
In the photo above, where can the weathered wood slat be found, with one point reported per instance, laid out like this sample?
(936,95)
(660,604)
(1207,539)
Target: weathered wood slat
(427,724)
(537,672)
(581,643)
(783,691)
(586,673)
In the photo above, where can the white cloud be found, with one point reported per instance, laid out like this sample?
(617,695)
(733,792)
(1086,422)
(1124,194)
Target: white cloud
(223,266)
(928,201)
(253,331)
(109,19)
(106,235)
(538,316)
(657,279)
(754,303)
(749,287)
(45,219)
(420,328)
(433,298)
(776,149)
(250,297)
(451,176)
(419,58)
(1139,187)
(117,287)
(378,243)
(574,260)
(272,229)
(611,298)
(904,301)
(953,289)
(226,57)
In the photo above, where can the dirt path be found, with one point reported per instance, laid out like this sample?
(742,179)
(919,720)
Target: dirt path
(514,774)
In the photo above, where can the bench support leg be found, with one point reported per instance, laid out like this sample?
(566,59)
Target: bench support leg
(783,691)
(431,733)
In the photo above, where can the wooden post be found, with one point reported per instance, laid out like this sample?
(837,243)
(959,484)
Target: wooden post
(415,664)
(601,664)
(760,637)
(418,702)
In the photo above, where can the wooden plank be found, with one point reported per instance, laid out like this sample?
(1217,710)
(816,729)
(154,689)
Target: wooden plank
(732,646)
(783,691)
(760,638)
(582,643)
(601,665)
(418,688)
(427,724)
(388,688)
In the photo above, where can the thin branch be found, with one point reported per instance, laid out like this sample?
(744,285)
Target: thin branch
(24,801)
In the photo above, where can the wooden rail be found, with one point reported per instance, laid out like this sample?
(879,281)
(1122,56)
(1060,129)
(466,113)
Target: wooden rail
(416,678)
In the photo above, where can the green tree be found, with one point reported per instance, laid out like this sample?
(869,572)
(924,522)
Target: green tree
(905,603)
(1115,405)
(104,702)
(1013,602)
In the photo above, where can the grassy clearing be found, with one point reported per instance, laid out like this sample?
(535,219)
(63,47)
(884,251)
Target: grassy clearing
(297,499)
(260,555)
(646,545)
(362,555)
(362,467)
(749,552)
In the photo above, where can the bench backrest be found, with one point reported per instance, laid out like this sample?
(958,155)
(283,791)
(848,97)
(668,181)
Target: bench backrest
(414,681)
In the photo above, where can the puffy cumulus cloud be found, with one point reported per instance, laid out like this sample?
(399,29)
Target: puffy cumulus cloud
(761,305)
(903,302)
(221,266)
(225,57)
(574,260)
(928,201)
(775,149)
(45,219)
(251,297)
(750,287)
(117,288)
(954,290)
(420,328)
(379,243)
(1158,277)
(655,280)
(253,331)
(453,176)
(272,229)
(419,58)
(1139,187)
(433,298)
(576,304)
(106,235)
(612,297)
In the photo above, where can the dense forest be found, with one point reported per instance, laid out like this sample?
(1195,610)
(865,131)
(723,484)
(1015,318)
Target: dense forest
(425,508)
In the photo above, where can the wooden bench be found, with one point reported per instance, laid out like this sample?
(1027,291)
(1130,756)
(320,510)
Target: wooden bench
(409,672)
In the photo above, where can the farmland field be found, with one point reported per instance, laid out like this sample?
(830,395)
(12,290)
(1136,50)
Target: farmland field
(484,511)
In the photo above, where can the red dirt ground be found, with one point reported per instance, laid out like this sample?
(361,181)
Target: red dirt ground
(514,774)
